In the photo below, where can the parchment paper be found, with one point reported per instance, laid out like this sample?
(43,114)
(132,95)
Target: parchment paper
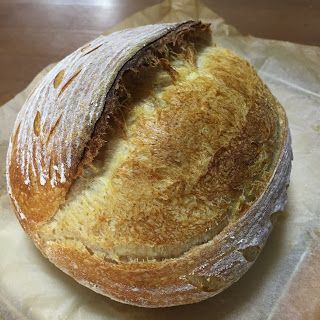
(32,288)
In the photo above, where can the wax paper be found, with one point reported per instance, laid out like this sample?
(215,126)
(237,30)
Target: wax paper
(282,284)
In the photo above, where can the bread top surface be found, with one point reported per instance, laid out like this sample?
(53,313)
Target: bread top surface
(195,147)
(190,155)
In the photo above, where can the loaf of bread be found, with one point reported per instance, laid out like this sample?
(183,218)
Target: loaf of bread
(147,165)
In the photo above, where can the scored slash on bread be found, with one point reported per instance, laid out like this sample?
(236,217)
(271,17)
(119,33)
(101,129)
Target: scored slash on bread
(147,165)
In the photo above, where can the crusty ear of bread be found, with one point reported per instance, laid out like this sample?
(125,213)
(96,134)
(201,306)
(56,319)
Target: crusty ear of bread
(148,163)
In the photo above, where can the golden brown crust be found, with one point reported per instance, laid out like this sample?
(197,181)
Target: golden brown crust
(256,157)
(201,151)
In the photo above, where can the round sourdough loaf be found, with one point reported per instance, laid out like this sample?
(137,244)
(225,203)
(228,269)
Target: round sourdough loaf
(148,163)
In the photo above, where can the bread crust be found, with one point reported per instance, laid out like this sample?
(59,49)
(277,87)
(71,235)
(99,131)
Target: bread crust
(45,158)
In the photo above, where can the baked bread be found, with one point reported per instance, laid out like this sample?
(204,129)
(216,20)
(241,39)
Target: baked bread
(148,163)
